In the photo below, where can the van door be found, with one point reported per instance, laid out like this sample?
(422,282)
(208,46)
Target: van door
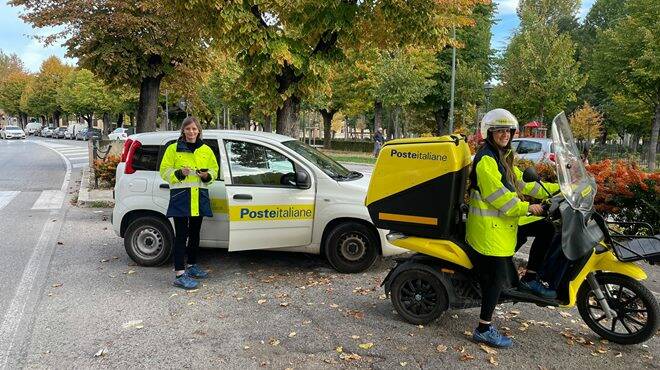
(215,230)
(268,208)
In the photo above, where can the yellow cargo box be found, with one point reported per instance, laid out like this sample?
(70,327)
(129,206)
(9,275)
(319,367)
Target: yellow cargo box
(418,185)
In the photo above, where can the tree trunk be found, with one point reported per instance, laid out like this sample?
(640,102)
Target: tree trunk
(327,126)
(634,142)
(120,120)
(654,138)
(106,123)
(378,115)
(268,124)
(441,122)
(148,104)
(89,118)
(56,118)
(287,117)
(397,126)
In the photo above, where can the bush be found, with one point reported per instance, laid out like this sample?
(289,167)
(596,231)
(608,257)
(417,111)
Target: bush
(104,170)
(352,145)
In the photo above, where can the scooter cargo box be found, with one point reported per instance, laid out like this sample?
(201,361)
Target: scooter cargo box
(418,185)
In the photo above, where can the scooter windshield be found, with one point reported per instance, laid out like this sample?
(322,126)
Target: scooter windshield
(577,185)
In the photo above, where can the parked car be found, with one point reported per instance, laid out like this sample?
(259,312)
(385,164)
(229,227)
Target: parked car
(274,192)
(120,133)
(85,134)
(46,132)
(58,132)
(12,132)
(533,149)
(32,128)
(72,130)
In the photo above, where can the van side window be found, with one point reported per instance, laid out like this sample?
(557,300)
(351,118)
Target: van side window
(212,143)
(253,164)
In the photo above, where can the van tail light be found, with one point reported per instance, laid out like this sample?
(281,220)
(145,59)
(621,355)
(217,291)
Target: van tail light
(551,156)
(124,151)
(129,157)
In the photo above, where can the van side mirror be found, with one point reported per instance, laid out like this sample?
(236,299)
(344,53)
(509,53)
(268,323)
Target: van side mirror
(303,181)
(530,175)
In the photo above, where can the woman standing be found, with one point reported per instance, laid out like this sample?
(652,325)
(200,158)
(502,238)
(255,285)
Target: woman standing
(495,211)
(189,166)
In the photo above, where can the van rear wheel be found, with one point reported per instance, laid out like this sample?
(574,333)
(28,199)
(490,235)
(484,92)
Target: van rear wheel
(149,240)
(351,247)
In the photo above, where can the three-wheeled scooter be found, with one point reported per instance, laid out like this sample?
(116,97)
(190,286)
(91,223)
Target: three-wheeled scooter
(417,191)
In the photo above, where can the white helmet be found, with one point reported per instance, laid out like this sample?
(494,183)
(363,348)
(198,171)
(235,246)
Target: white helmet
(498,118)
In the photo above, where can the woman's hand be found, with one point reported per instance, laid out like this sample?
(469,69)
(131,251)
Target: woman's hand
(535,209)
(186,171)
(203,174)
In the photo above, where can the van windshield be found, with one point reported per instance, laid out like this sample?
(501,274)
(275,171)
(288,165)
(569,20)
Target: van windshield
(322,161)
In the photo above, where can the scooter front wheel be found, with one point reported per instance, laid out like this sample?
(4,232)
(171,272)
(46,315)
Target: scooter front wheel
(419,296)
(636,309)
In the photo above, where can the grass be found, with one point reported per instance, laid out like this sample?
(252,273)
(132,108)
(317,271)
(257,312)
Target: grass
(354,157)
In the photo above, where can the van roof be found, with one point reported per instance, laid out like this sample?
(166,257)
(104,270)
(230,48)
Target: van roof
(160,136)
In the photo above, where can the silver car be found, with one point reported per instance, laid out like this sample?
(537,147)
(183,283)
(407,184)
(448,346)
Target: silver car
(533,149)
(12,132)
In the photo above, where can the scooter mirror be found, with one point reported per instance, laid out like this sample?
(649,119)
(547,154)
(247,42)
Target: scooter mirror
(530,175)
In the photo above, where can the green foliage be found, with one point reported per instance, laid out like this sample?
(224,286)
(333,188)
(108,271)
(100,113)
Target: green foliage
(84,94)
(11,89)
(40,97)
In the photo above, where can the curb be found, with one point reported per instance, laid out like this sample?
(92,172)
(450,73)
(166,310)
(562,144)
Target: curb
(85,196)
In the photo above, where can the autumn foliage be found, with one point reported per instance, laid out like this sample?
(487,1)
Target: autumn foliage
(104,170)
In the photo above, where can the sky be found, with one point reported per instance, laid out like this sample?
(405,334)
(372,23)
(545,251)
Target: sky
(16,37)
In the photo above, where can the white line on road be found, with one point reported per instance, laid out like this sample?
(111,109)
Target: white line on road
(77,158)
(74,150)
(6,197)
(50,199)
(14,315)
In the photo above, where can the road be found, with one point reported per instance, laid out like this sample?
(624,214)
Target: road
(72,298)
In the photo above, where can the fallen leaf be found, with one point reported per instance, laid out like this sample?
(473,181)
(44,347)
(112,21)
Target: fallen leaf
(101,352)
(403,363)
(334,305)
(306,322)
(191,303)
(493,361)
(284,304)
(366,345)
(355,337)
(330,361)
(454,316)
(382,297)
(57,285)
(273,342)
(339,349)
(441,348)
(420,326)
(487,349)
(601,350)
(105,260)
(467,333)
(356,314)
(350,357)
(174,295)
(619,355)
(133,324)
(565,314)
(262,301)
(246,347)
(467,357)
(292,334)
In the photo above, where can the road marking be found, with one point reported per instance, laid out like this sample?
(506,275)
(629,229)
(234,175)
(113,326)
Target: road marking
(50,199)
(80,165)
(6,197)
(77,158)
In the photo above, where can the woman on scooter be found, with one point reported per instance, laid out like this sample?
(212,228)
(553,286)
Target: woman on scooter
(496,209)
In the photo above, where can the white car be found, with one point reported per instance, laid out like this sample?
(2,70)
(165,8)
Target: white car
(119,133)
(533,149)
(32,127)
(12,132)
(273,192)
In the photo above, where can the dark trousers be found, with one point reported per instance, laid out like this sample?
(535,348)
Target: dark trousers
(543,232)
(186,229)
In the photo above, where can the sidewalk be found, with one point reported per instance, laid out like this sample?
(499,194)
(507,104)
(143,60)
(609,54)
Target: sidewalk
(88,197)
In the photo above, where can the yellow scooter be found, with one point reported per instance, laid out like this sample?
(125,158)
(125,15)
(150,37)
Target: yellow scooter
(417,191)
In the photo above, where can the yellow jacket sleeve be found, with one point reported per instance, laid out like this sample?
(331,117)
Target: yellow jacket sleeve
(212,165)
(167,165)
(533,189)
(494,192)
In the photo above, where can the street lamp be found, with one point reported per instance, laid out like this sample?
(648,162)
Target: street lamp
(488,88)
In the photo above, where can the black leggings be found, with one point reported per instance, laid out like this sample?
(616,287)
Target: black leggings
(186,229)
(494,273)
(543,232)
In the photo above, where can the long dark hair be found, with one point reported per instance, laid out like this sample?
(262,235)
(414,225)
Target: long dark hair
(187,122)
(505,155)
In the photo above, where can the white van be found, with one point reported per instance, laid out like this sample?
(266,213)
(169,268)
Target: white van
(273,192)
(32,127)
(73,129)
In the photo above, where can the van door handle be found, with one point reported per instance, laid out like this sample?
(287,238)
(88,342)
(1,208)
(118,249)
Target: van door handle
(164,186)
(243,196)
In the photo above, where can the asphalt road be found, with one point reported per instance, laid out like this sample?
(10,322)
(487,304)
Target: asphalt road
(86,305)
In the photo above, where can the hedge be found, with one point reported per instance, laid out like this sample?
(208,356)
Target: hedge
(366,146)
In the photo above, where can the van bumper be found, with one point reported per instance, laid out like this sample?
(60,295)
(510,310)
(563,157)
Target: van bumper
(387,248)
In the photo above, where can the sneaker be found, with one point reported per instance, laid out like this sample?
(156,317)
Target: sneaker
(196,272)
(185,281)
(537,288)
(492,337)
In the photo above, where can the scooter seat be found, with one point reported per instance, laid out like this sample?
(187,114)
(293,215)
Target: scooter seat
(638,248)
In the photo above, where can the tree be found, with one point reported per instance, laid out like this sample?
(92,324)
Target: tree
(42,97)
(627,61)
(137,43)
(84,94)
(11,89)
(586,123)
(538,72)
(9,64)
(288,45)
(559,13)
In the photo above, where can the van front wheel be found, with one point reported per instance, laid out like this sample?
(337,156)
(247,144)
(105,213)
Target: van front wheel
(148,241)
(351,247)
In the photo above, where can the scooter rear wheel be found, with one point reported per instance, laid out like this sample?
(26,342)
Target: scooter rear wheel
(637,311)
(419,296)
